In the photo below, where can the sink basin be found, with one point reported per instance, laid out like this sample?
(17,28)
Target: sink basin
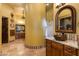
(60,37)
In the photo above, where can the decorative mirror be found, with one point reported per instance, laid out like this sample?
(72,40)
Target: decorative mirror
(66,20)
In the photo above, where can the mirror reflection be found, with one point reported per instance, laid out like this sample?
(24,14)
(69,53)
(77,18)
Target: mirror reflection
(65,21)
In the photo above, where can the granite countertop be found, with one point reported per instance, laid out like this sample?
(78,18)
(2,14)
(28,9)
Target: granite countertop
(67,42)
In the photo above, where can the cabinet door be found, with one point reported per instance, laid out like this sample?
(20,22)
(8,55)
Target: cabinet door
(57,52)
(77,52)
(48,47)
(57,49)
(69,51)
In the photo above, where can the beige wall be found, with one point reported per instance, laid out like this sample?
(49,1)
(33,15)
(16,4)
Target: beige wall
(18,15)
(4,11)
(49,13)
(20,21)
(34,30)
(76,6)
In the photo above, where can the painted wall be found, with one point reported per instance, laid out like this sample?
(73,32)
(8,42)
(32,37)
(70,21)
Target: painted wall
(34,31)
(4,11)
(18,16)
(49,14)
(20,21)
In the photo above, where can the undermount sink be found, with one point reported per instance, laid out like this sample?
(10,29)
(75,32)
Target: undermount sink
(60,37)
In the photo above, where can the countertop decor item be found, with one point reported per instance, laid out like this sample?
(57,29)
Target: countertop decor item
(61,37)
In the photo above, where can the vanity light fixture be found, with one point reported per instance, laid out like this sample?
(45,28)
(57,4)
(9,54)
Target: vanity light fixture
(12,14)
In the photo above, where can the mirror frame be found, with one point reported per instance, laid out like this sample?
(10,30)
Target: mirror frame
(73,15)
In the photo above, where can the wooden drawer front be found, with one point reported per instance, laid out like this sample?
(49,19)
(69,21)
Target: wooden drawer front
(57,45)
(66,53)
(69,50)
(48,41)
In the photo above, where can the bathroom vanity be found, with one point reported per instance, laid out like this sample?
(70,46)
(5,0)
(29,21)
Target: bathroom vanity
(65,23)
(61,44)
(61,48)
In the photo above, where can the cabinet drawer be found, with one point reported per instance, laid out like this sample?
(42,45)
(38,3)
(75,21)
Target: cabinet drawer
(69,50)
(66,53)
(57,45)
(48,41)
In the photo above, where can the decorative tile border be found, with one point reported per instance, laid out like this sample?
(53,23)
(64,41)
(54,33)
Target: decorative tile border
(34,47)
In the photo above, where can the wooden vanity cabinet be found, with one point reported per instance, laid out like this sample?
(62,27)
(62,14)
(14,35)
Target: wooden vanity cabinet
(57,49)
(48,47)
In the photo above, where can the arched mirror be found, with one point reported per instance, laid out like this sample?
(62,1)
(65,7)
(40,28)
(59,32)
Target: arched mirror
(66,20)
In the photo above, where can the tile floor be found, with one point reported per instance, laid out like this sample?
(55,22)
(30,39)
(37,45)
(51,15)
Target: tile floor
(17,48)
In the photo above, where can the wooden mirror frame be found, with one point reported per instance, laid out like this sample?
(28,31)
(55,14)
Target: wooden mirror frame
(73,15)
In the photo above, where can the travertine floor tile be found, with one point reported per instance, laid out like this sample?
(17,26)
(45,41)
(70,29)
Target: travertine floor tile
(17,48)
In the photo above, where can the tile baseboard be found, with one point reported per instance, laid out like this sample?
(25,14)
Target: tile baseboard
(34,47)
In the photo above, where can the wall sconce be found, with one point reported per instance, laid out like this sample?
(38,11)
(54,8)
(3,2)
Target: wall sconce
(59,4)
(23,17)
(12,15)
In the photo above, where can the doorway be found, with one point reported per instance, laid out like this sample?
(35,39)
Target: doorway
(4,29)
(20,31)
